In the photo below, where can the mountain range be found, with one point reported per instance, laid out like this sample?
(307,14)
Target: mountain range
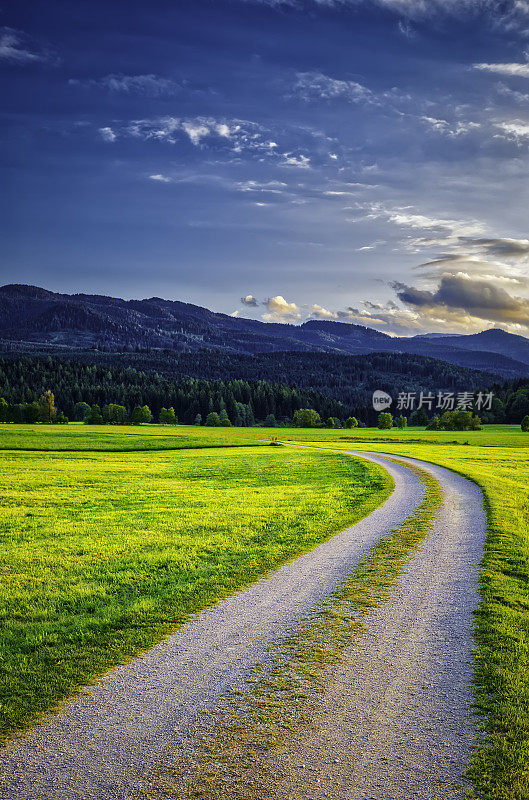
(41,320)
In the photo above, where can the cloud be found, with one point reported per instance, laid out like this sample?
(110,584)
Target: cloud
(506,12)
(500,246)
(290,160)
(272,187)
(478,298)
(237,135)
(516,131)
(153,85)
(279,310)
(436,230)
(406,30)
(199,130)
(14,47)
(249,300)
(519,97)
(514,69)
(160,178)
(452,130)
(107,134)
(322,313)
(317,86)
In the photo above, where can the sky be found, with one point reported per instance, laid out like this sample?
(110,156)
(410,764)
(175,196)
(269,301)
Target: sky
(365,161)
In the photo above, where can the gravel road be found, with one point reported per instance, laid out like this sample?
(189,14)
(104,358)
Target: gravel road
(104,744)
(394,722)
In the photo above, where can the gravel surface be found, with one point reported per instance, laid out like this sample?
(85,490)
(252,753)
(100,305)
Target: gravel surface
(394,721)
(103,744)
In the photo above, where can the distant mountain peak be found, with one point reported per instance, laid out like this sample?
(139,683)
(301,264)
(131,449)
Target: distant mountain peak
(26,290)
(36,316)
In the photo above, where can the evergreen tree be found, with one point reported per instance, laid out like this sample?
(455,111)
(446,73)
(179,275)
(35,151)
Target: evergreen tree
(224,419)
(402,422)
(525,424)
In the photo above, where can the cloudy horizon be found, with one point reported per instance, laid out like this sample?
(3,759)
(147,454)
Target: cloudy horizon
(362,161)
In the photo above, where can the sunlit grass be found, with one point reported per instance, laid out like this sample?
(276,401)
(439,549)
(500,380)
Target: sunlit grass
(78,437)
(105,552)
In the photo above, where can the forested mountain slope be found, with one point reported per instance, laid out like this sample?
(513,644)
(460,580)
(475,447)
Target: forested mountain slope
(36,320)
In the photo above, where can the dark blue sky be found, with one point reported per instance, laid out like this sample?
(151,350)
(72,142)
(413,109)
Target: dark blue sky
(308,157)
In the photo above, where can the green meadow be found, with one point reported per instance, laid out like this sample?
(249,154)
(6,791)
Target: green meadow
(111,536)
(77,437)
(108,548)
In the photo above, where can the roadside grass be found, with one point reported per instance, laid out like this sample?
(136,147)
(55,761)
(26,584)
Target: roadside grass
(104,553)
(489,436)
(497,460)
(225,755)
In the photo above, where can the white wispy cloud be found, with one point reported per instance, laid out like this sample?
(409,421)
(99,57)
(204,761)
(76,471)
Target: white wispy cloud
(435,230)
(160,178)
(516,131)
(291,160)
(514,69)
(14,46)
(107,134)
(406,29)
(271,187)
(317,86)
(522,98)
(238,135)
(450,129)
(150,84)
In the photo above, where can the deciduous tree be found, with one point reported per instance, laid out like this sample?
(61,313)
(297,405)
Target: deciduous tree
(48,411)
(385,421)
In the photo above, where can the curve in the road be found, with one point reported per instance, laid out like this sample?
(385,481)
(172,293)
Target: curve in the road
(394,722)
(104,744)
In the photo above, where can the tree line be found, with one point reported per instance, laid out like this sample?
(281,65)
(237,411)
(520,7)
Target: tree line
(24,380)
(114,395)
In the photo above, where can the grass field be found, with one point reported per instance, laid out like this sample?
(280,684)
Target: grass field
(79,437)
(108,548)
(105,552)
